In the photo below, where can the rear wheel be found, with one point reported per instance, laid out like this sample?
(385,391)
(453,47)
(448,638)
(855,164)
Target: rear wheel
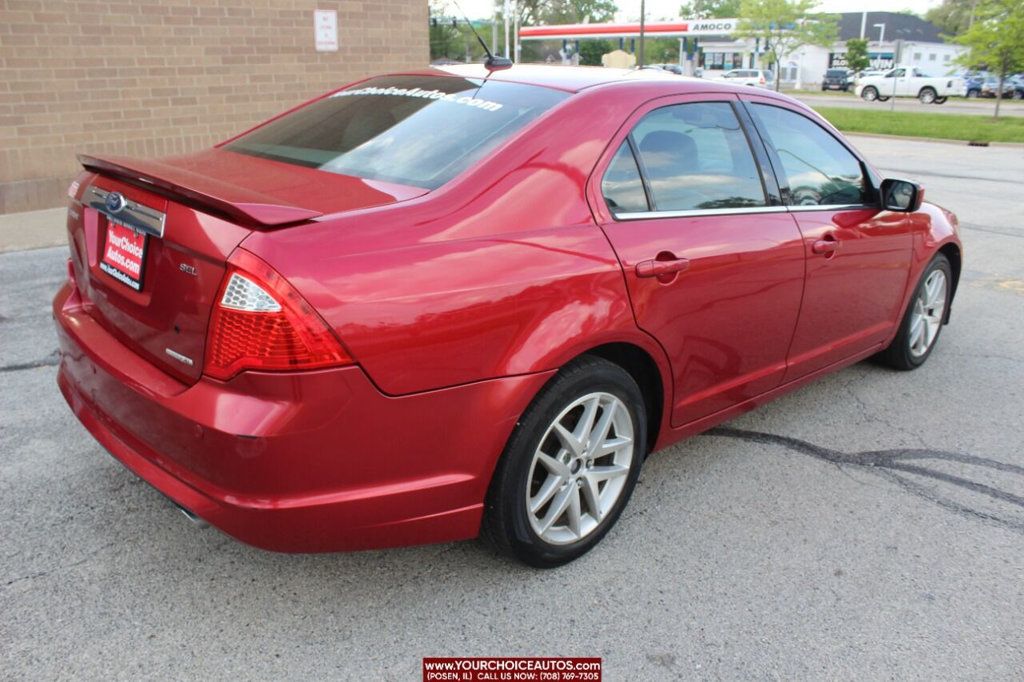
(927,95)
(941,100)
(870,93)
(972,94)
(922,323)
(569,467)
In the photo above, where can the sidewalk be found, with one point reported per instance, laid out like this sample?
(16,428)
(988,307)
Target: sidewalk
(33,229)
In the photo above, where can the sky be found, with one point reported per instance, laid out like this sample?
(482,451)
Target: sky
(669,9)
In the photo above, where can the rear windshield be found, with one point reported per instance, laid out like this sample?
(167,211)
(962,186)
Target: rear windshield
(836,73)
(412,130)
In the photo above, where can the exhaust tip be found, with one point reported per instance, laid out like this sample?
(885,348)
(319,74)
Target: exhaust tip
(196,521)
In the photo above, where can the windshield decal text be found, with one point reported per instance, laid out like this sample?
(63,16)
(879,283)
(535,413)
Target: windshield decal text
(484,104)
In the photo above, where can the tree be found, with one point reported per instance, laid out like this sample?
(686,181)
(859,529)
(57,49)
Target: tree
(784,26)
(591,51)
(535,12)
(857,54)
(996,40)
(953,17)
(710,9)
(540,12)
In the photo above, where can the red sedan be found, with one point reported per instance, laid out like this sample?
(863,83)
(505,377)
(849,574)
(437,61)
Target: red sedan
(436,305)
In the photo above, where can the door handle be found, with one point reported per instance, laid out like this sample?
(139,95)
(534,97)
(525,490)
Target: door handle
(826,246)
(661,266)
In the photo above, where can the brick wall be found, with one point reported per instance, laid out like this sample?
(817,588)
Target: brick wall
(160,77)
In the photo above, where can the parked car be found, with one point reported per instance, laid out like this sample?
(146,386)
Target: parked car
(671,68)
(1017,83)
(972,86)
(455,302)
(759,78)
(990,87)
(909,81)
(837,79)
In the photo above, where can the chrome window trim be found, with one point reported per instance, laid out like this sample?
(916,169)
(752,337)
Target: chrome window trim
(830,207)
(699,213)
(134,215)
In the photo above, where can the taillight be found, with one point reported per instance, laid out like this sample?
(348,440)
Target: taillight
(260,322)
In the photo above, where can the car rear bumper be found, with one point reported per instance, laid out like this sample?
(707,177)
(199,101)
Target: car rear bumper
(297,462)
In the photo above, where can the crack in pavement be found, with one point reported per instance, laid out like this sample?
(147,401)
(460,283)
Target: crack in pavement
(51,360)
(890,463)
(56,569)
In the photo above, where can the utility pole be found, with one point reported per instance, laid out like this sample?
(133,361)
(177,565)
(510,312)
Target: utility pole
(494,32)
(640,51)
(505,13)
(515,41)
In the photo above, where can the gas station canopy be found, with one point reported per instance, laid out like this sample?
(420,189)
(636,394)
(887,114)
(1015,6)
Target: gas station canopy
(661,29)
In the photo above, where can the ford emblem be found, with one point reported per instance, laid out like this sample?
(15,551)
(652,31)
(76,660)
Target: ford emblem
(116,202)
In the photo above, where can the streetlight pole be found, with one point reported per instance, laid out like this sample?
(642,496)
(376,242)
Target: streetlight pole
(881,39)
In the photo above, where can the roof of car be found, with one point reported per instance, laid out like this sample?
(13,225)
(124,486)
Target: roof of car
(577,78)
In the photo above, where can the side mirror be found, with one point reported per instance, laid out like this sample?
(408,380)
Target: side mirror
(901,195)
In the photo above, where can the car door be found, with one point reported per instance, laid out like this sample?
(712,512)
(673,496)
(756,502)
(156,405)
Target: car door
(901,84)
(858,256)
(713,263)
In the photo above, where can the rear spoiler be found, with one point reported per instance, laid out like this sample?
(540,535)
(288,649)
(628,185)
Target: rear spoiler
(236,203)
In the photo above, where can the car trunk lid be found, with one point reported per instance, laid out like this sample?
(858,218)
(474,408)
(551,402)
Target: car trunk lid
(150,239)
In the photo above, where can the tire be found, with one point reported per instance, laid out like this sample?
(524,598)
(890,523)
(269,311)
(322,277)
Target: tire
(870,93)
(972,94)
(922,323)
(941,100)
(567,478)
(883,99)
(927,95)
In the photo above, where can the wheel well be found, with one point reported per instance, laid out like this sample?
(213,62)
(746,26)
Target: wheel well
(952,252)
(642,368)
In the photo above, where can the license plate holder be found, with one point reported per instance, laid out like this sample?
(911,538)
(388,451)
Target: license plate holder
(124,255)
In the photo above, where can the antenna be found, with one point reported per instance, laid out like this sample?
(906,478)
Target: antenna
(493,63)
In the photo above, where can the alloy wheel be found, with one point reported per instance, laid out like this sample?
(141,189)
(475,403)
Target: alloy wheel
(929,307)
(579,469)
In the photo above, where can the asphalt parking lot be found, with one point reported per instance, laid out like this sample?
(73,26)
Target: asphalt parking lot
(868,526)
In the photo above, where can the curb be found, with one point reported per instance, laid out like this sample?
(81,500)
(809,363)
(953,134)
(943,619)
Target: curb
(943,140)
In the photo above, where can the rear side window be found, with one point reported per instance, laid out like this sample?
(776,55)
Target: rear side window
(696,156)
(412,130)
(622,187)
(819,170)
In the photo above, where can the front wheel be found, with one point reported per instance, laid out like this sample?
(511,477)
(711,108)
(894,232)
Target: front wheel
(922,323)
(869,93)
(569,467)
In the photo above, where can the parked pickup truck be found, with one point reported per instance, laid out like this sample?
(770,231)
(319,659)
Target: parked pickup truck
(909,81)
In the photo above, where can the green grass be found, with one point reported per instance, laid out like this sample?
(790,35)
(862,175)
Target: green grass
(943,126)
